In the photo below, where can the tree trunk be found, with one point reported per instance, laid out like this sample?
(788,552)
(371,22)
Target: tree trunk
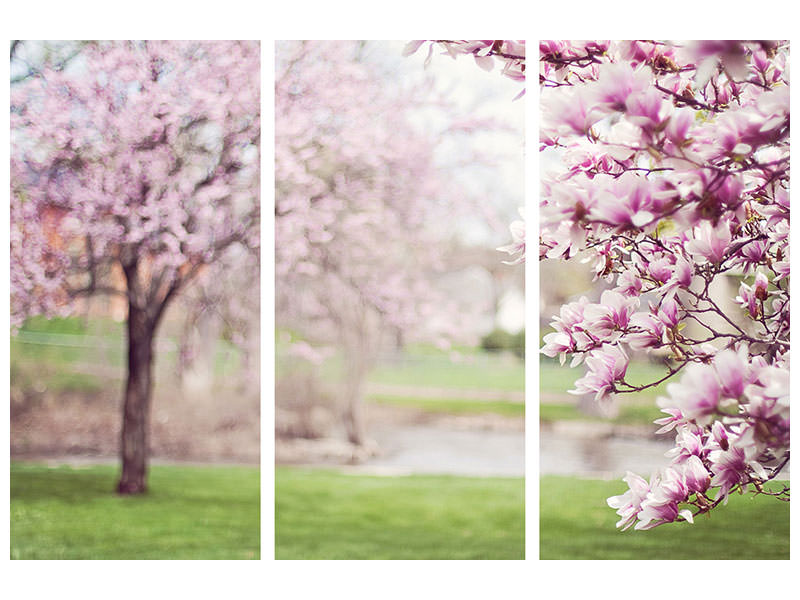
(134,448)
(353,418)
(353,410)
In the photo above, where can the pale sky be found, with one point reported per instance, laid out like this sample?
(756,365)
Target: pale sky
(484,95)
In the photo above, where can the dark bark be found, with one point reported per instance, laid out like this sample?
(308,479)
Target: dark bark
(147,301)
(134,443)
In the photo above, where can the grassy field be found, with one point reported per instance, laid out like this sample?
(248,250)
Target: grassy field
(328,515)
(189,513)
(576,523)
(425,365)
(479,371)
(630,413)
(452,406)
(75,355)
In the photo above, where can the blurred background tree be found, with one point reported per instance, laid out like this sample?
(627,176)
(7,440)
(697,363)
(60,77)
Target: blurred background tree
(394,188)
(134,167)
(366,236)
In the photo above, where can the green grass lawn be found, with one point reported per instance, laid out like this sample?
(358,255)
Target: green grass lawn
(576,523)
(60,354)
(481,371)
(630,413)
(424,365)
(189,513)
(328,515)
(452,406)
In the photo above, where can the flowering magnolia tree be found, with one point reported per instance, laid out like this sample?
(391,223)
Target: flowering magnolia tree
(673,180)
(359,208)
(133,167)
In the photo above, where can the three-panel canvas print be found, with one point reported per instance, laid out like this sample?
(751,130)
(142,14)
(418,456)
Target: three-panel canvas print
(374,303)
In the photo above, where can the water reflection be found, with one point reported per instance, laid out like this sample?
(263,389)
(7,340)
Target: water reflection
(430,449)
(605,457)
(562,453)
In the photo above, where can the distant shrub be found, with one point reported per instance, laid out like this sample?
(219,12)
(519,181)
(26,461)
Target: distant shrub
(499,340)
(518,344)
(303,408)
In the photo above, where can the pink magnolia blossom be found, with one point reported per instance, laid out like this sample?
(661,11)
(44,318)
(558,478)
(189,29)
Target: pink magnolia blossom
(668,423)
(653,504)
(570,113)
(616,83)
(710,242)
(754,253)
(697,395)
(688,443)
(682,272)
(558,343)
(612,314)
(510,53)
(661,504)
(747,298)
(729,467)
(567,335)
(628,284)
(606,366)
(677,130)
(648,331)
(660,269)
(731,369)
(760,286)
(630,202)
(697,477)
(668,311)
(629,504)
(517,246)
(649,110)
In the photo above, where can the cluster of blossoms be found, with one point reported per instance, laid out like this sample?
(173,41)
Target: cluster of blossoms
(510,53)
(133,153)
(731,419)
(674,182)
(354,199)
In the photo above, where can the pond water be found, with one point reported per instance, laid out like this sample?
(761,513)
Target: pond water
(428,449)
(437,450)
(431,449)
(603,457)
